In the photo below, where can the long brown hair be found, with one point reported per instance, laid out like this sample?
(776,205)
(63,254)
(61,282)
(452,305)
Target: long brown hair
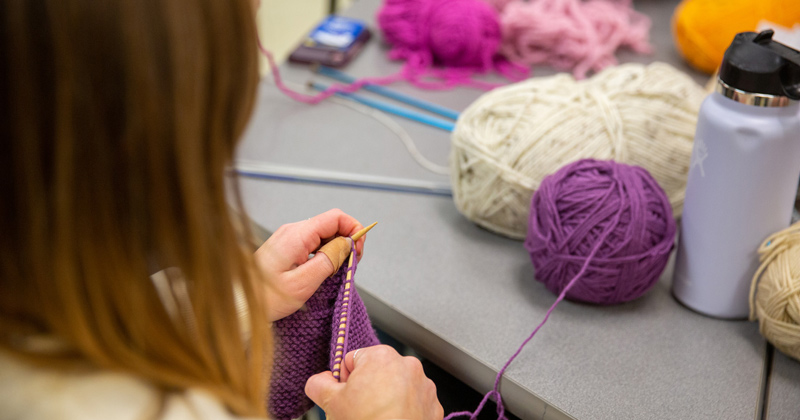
(117,122)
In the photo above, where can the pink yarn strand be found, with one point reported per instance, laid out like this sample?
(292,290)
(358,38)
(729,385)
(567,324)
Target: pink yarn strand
(415,72)
(315,99)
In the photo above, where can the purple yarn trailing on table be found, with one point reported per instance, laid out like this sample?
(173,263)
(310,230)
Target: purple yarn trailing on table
(595,227)
(592,203)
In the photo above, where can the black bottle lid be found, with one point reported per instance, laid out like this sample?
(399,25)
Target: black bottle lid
(755,63)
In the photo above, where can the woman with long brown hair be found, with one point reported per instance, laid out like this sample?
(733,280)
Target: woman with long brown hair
(118,121)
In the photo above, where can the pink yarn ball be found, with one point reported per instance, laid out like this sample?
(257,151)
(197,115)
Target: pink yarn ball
(614,216)
(576,35)
(452,33)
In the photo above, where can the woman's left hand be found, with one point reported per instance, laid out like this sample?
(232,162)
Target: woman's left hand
(283,259)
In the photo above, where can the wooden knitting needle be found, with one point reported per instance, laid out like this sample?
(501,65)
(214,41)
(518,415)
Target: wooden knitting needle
(342,332)
(338,249)
(362,232)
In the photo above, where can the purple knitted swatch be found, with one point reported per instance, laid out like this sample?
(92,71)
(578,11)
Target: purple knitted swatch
(306,341)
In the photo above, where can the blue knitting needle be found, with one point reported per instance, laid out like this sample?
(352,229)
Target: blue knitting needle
(380,90)
(393,109)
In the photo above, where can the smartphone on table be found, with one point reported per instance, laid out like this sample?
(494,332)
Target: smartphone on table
(334,42)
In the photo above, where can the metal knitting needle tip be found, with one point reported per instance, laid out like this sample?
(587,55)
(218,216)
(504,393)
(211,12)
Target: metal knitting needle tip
(361,232)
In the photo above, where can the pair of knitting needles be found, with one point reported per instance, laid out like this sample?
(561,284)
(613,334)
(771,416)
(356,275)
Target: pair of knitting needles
(336,250)
(388,107)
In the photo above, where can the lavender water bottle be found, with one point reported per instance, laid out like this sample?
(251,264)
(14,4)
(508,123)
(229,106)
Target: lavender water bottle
(743,176)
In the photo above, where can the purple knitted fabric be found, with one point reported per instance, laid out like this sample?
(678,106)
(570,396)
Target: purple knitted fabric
(306,342)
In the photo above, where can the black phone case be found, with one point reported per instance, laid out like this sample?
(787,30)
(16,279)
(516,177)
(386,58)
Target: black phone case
(329,56)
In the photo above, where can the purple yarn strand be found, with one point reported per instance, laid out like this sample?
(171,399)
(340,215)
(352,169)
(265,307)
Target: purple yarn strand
(583,208)
(496,389)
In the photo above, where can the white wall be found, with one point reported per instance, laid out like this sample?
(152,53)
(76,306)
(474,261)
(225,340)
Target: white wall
(283,23)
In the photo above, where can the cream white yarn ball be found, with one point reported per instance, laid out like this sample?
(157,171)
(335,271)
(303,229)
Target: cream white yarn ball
(775,290)
(508,140)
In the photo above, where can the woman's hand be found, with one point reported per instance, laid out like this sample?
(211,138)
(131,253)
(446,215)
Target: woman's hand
(283,258)
(376,384)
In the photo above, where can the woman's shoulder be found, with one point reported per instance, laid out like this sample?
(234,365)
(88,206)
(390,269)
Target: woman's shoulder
(30,392)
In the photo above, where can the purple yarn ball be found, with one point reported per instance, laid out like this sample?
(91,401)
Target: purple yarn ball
(617,211)
(453,33)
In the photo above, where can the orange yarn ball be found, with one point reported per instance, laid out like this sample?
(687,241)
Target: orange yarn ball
(703,29)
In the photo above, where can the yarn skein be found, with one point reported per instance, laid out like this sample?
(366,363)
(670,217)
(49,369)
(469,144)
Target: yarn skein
(459,33)
(572,34)
(703,29)
(775,291)
(588,200)
(508,140)
(461,36)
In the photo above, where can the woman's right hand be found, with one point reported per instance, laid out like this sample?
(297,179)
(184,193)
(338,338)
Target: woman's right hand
(378,384)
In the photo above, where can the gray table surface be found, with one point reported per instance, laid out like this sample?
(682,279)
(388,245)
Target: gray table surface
(466,298)
(784,389)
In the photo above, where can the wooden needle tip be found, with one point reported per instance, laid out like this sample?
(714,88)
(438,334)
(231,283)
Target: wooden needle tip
(361,232)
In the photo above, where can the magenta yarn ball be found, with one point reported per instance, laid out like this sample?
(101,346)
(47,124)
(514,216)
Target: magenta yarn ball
(615,217)
(453,33)
(400,22)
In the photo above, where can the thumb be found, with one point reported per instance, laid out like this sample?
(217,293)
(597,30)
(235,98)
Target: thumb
(322,388)
(337,251)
